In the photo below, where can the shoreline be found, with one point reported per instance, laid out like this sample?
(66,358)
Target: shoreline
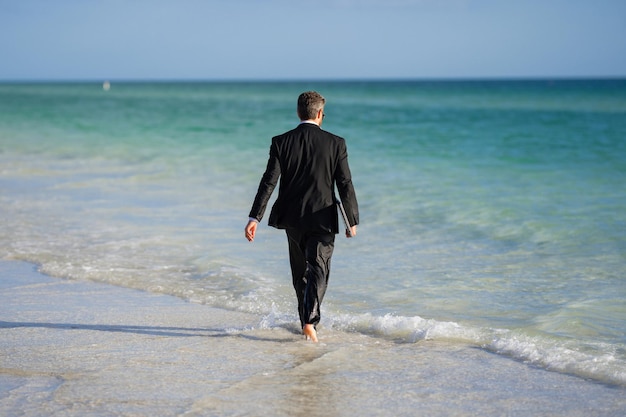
(76,348)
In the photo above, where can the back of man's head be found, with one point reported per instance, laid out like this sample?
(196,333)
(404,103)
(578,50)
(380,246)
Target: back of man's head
(309,104)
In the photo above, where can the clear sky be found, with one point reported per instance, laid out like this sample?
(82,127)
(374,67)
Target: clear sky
(315,39)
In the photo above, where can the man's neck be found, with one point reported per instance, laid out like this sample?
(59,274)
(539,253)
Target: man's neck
(312,122)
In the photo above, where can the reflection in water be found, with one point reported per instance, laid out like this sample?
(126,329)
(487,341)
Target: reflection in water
(309,393)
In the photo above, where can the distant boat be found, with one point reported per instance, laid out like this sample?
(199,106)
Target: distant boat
(106,86)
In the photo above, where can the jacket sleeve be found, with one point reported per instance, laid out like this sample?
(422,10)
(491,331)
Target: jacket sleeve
(267,184)
(343,179)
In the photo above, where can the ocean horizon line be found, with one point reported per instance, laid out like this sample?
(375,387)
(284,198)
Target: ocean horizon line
(355,80)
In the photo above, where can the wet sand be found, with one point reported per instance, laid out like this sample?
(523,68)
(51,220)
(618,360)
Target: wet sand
(72,348)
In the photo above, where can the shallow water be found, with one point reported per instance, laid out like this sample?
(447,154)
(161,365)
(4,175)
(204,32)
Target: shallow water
(493,213)
(71,348)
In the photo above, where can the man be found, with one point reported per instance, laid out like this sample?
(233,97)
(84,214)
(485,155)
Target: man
(310,162)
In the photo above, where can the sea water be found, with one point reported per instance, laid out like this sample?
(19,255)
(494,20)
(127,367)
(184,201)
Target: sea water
(493,213)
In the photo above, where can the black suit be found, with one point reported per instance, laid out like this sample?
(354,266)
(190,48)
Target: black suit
(309,162)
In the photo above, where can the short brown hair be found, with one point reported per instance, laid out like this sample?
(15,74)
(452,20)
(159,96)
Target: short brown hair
(309,103)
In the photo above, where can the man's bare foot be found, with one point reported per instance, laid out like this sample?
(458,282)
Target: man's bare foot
(310,333)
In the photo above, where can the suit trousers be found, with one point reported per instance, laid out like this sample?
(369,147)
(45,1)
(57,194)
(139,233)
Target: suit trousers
(309,256)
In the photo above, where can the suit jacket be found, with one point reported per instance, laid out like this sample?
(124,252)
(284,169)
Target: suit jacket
(310,162)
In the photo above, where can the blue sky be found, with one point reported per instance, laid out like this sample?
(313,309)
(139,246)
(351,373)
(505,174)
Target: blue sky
(317,39)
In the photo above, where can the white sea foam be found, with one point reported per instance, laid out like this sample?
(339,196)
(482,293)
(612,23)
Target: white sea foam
(599,361)
(594,361)
(590,361)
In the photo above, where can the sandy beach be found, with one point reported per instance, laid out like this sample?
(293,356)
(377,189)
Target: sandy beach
(72,348)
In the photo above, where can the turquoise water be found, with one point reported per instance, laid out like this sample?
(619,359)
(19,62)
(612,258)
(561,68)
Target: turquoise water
(493,213)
